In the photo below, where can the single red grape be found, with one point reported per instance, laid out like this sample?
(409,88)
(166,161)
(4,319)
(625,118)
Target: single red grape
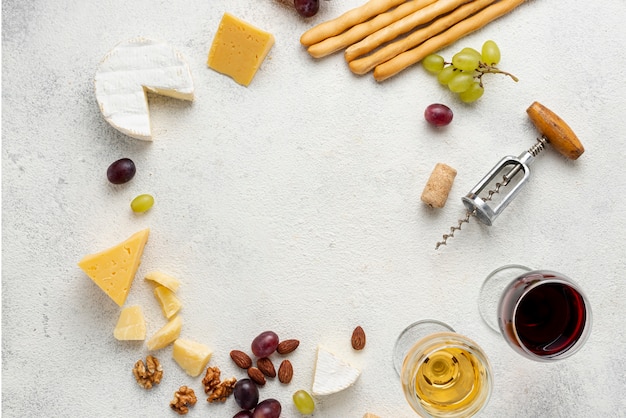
(243,414)
(269,408)
(246,393)
(264,344)
(121,171)
(307,8)
(438,114)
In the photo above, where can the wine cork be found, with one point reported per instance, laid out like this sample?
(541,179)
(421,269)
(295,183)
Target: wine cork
(438,186)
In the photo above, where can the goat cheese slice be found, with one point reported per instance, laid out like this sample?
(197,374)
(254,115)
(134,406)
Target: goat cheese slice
(130,70)
(332,374)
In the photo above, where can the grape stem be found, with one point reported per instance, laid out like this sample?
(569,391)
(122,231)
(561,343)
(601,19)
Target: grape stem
(486,68)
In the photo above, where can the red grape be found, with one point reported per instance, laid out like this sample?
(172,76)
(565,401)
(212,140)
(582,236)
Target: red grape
(264,344)
(121,171)
(438,114)
(307,8)
(269,408)
(246,393)
(243,414)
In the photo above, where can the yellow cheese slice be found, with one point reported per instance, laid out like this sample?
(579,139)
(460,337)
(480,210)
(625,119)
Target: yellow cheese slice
(191,356)
(170,305)
(166,335)
(113,270)
(163,279)
(131,325)
(238,49)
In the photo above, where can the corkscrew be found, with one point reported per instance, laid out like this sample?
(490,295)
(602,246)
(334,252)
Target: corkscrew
(554,131)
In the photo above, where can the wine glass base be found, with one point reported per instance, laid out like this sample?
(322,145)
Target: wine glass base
(411,335)
(492,289)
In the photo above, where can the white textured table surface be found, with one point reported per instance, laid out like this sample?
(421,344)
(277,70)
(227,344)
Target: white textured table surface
(294,205)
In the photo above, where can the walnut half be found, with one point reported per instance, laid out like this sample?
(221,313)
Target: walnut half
(211,379)
(183,399)
(222,391)
(148,374)
(217,390)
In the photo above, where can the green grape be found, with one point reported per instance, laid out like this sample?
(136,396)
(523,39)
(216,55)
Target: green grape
(460,82)
(473,93)
(472,51)
(304,402)
(466,60)
(446,74)
(142,203)
(433,63)
(491,53)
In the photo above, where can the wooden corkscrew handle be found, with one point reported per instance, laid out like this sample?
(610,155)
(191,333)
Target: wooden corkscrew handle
(556,131)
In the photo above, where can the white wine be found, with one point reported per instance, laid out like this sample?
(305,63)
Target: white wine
(447,375)
(450,378)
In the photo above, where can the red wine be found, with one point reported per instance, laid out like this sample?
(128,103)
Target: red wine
(550,318)
(543,315)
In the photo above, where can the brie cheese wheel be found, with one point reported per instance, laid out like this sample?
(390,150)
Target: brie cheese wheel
(332,374)
(128,72)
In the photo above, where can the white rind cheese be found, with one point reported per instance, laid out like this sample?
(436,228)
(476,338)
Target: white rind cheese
(128,72)
(332,374)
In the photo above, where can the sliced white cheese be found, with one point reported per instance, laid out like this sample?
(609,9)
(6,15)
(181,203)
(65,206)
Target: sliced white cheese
(128,72)
(332,374)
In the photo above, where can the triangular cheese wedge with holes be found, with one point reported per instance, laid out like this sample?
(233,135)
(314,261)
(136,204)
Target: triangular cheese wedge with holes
(130,70)
(332,374)
(113,270)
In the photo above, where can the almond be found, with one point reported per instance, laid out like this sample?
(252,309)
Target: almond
(266,366)
(358,338)
(241,359)
(287,346)
(285,371)
(256,375)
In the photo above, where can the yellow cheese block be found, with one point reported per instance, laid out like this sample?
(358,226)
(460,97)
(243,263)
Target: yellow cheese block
(191,356)
(131,325)
(170,305)
(238,49)
(113,270)
(166,335)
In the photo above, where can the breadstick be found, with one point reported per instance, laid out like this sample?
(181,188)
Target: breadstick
(347,20)
(365,64)
(469,25)
(360,31)
(403,25)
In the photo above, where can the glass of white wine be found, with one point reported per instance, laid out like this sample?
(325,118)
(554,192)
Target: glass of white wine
(443,373)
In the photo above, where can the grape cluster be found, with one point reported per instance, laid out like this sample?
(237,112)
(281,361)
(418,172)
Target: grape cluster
(465,73)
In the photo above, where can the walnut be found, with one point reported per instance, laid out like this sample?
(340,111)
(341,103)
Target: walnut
(222,391)
(211,379)
(148,374)
(183,399)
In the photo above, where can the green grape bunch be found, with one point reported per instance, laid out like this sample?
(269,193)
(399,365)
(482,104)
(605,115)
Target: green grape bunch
(464,75)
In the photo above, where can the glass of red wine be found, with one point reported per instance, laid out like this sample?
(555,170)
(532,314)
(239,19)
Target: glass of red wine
(542,314)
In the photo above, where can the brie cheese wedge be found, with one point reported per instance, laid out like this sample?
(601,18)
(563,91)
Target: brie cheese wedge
(332,374)
(128,72)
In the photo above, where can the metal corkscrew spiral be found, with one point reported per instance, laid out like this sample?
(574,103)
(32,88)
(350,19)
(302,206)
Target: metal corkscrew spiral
(555,131)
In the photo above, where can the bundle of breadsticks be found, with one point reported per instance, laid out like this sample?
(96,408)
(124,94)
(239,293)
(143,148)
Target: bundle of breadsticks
(391,35)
